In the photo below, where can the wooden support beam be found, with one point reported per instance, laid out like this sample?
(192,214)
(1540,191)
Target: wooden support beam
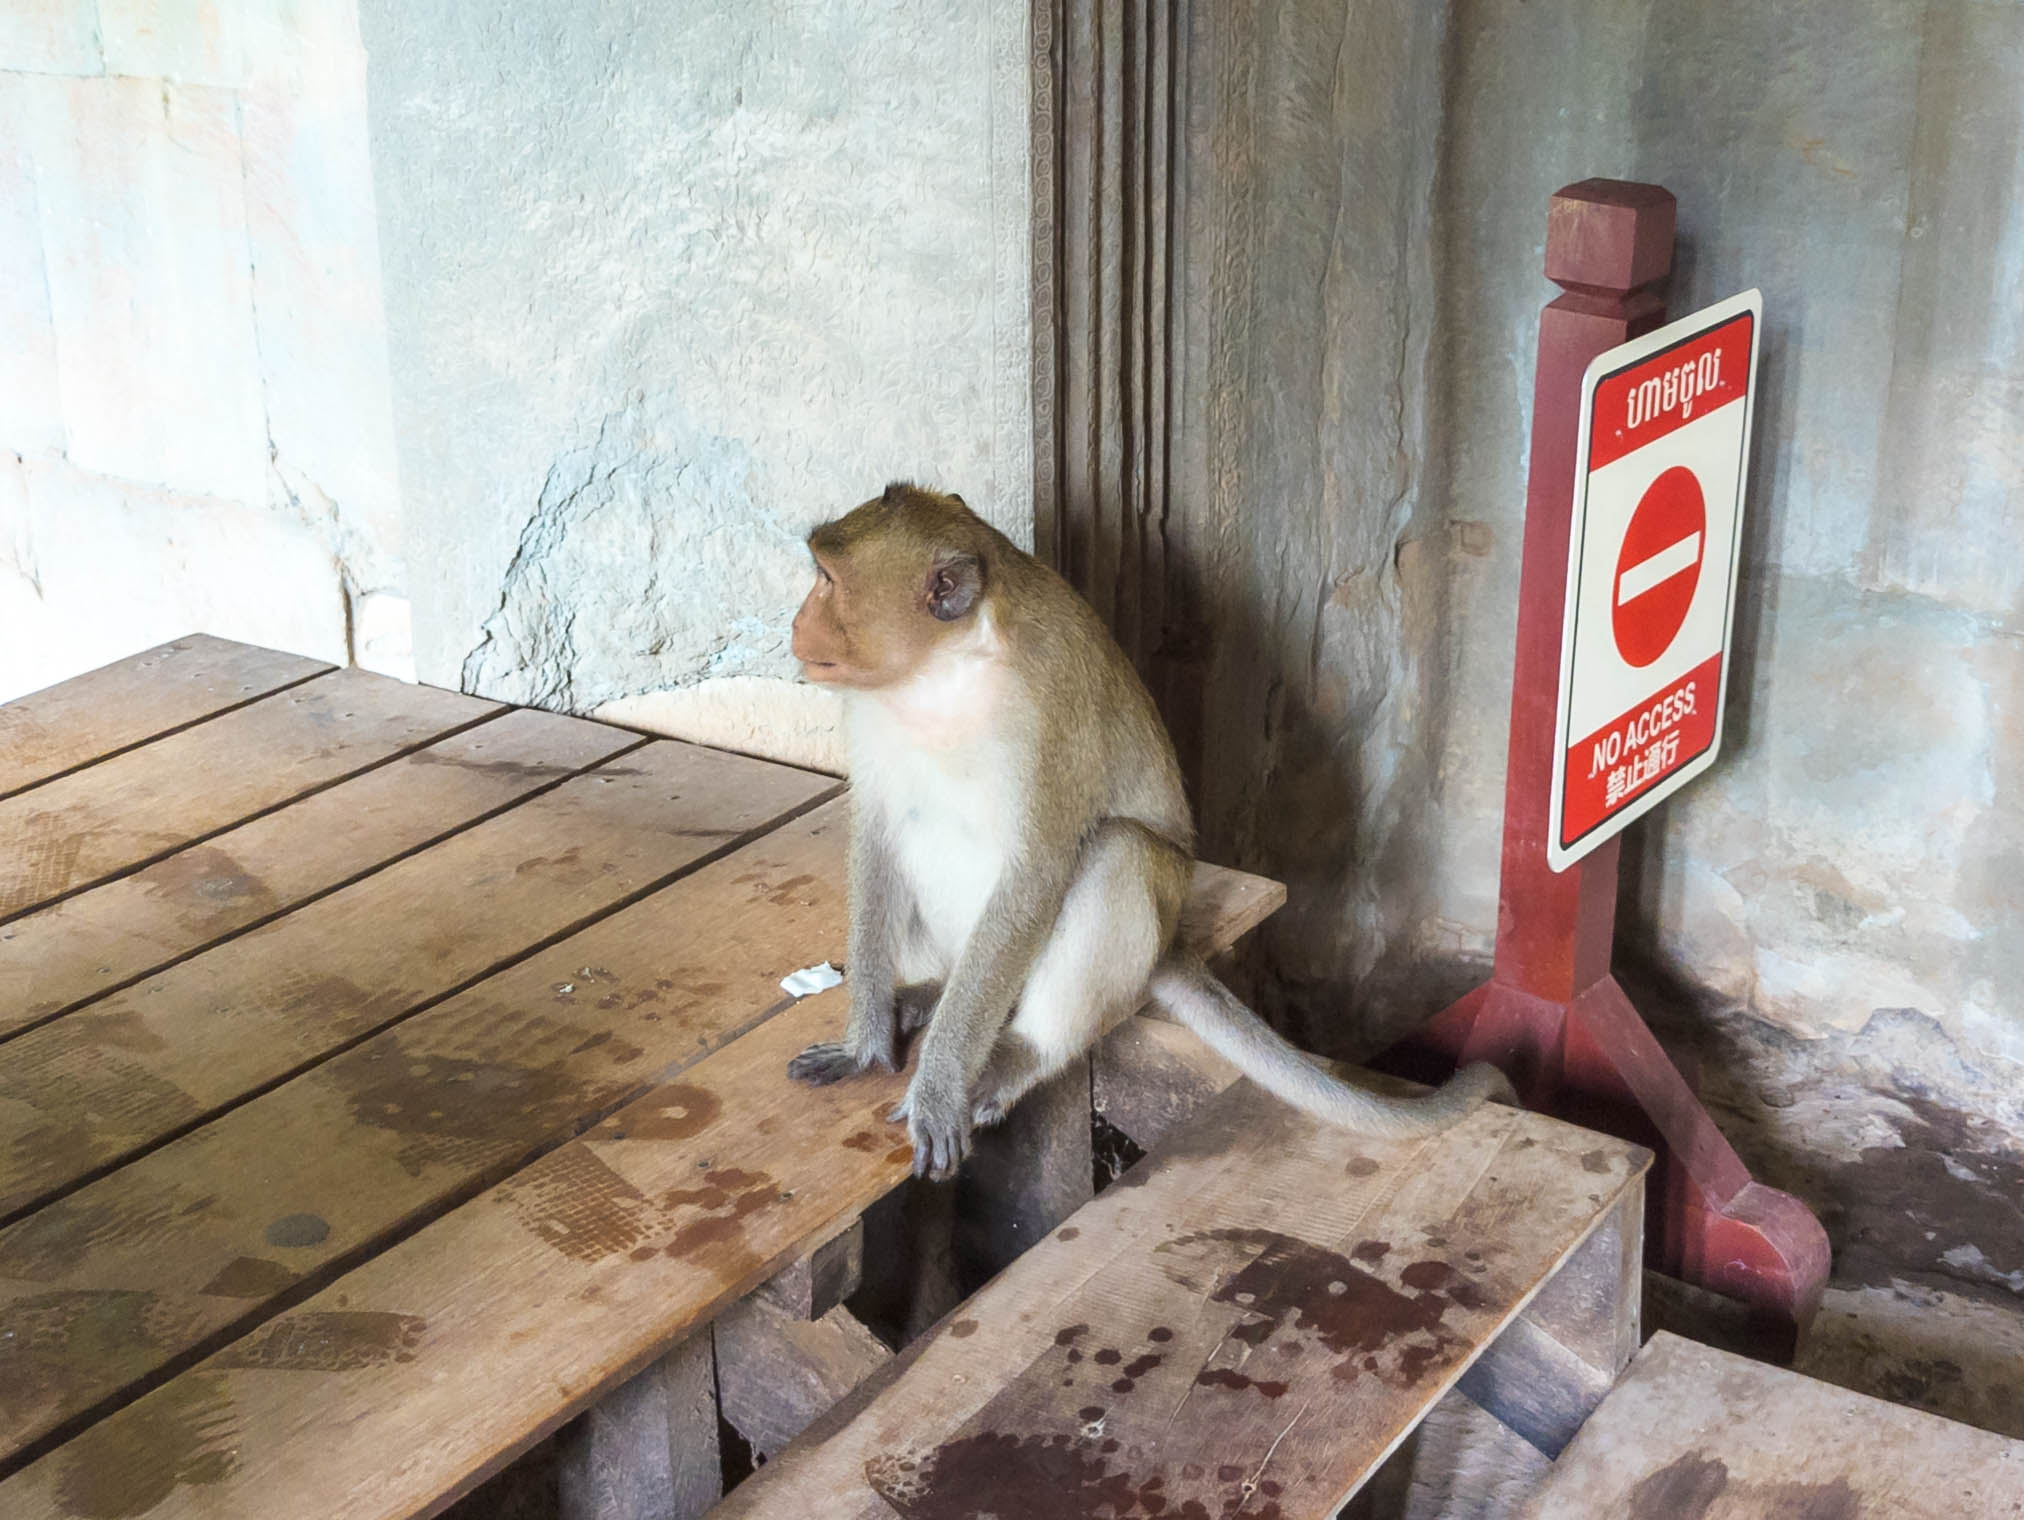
(1148,1076)
(1546,1373)
(776,1372)
(648,1449)
(823,1278)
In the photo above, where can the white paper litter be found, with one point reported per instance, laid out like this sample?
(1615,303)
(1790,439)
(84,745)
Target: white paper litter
(810,980)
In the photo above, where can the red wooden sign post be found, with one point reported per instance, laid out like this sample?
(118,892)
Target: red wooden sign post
(1552,1016)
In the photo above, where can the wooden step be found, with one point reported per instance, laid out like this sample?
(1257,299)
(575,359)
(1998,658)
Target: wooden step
(1695,1432)
(1248,1322)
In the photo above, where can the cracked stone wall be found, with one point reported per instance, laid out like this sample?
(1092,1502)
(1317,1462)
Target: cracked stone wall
(195,417)
(1858,847)
(669,283)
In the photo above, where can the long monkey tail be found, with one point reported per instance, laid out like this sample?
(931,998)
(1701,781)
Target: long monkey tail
(1198,1000)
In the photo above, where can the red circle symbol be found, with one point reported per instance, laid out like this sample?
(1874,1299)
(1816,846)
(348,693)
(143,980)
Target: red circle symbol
(1659,566)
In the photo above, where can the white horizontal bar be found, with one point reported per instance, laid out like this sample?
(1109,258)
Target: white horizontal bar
(1662,566)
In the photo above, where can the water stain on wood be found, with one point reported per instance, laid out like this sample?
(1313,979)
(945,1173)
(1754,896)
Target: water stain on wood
(1229,1377)
(579,1205)
(55,1240)
(962,1329)
(1015,1477)
(673,1112)
(248,1277)
(732,1196)
(1684,1489)
(792,892)
(619,1050)
(1298,1288)
(185,1432)
(1687,1488)
(328,1340)
(298,1231)
(531,771)
(52,1342)
(1362,1166)
(455,1098)
(211,882)
(79,1065)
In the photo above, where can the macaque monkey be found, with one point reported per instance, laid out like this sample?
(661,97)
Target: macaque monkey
(1019,834)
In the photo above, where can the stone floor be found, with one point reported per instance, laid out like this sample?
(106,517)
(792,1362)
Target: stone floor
(1922,1196)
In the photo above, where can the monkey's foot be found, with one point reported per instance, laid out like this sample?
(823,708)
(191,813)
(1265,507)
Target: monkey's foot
(917,1006)
(986,1112)
(823,1064)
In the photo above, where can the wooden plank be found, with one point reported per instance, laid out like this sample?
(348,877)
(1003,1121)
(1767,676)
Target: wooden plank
(1706,1435)
(126,1073)
(84,946)
(1225,905)
(1150,1076)
(136,699)
(648,1450)
(107,818)
(776,1372)
(1248,1322)
(1534,1377)
(234,1208)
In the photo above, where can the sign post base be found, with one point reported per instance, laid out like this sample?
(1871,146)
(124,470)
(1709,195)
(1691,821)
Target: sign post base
(1552,1016)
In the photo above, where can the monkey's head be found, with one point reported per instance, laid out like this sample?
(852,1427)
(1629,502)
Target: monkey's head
(894,579)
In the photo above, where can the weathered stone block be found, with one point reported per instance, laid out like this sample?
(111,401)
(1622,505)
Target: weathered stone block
(30,417)
(143,214)
(776,719)
(49,37)
(118,567)
(190,41)
(316,293)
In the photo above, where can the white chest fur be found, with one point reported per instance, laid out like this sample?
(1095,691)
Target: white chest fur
(919,756)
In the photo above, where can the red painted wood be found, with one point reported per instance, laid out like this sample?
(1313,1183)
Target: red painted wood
(1552,1016)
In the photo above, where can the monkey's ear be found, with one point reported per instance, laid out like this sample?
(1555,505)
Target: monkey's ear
(954,584)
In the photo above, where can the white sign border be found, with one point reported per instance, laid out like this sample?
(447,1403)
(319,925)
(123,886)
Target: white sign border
(1600,368)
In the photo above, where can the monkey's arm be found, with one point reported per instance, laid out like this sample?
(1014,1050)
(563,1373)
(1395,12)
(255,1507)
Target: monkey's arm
(974,1006)
(876,899)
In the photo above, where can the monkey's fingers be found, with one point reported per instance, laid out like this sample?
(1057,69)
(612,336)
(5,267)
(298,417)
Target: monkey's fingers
(822,1064)
(902,1109)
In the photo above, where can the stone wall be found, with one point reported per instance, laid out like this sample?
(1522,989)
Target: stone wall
(668,284)
(1857,848)
(195,425)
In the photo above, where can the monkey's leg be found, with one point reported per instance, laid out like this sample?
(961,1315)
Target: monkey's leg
(1092,971)
(887,945)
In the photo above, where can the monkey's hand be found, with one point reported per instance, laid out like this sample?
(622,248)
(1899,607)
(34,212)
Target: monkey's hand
(938,1124)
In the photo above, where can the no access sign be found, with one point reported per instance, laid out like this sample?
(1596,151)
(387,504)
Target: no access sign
(1651,570)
